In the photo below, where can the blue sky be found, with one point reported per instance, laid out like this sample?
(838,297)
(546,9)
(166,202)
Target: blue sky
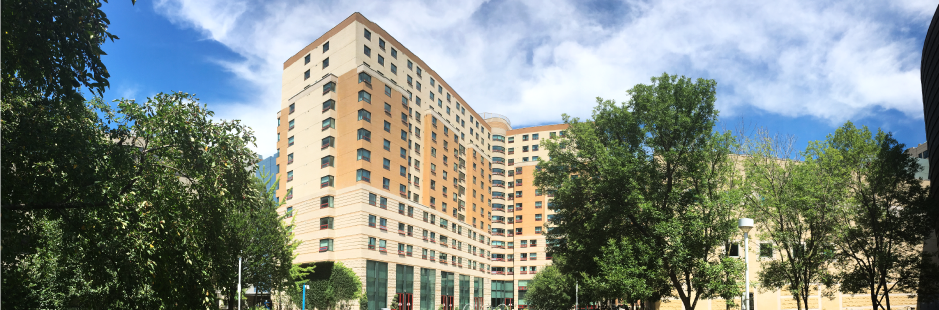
(796,67)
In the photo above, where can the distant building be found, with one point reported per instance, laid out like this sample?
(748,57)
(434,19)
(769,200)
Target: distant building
(267,168)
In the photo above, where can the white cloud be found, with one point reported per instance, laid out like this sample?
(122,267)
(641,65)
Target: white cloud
(533,60)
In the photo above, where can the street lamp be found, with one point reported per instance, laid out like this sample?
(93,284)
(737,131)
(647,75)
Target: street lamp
(305,286)
(745,224)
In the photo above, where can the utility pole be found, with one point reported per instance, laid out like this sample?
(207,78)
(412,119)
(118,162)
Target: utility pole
(239,282)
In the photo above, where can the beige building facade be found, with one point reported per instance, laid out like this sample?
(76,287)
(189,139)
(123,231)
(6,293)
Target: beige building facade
(384,167)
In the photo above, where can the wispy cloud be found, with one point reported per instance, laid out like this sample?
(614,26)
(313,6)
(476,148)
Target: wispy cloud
(534,60)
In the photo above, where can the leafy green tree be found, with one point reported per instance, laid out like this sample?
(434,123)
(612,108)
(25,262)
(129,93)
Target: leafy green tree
(337,290)
(550,289)
(632,270)
(652,170)
(798,202)
(888,219)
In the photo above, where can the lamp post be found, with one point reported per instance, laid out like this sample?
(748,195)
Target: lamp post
(305,286)
(745,224)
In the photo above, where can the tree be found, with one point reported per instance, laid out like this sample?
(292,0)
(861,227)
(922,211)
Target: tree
(632,270)
(550,289)
(888,219)
(338,289)
(654,171)
(799,205)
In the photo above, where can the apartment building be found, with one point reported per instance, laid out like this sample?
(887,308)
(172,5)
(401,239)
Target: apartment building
(385,168)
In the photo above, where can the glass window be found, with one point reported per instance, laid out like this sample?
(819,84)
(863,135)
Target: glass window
(387,145)
(365,96)
(329,105)
(306,59)
(387,126)
(364,134)
(363,175)
(394,69)
(381,43)
(368,51)
(326,202)
(327,161)
(306,75)
(326,62)
(326,46)
(368,35)
(329,123)
(328,142)
(363,154)
(326,245)
(364,77)
(326,181)
(365,115)
(386,183)
(394,53)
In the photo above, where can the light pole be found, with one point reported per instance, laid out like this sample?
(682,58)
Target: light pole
(239,282)
(304,295)
(745,225)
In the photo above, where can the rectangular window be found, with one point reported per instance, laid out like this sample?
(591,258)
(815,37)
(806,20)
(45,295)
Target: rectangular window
(329,105)
(428,287)
(365,115)
(365,96)
(766,250)
(327,161)
(364,77)
(381,44)
(326,181)
(385,163)
(306,59)
(368,51)
(329,123)
(326,202)
(394,53)
(326,245)
(381,60)
(376,283)
(326,46)
(326,62)
(368,35)
(388,90)
(364,134)
(363,175)
(363,154)
(326,223)
(372,199)
(386,183)
(394,69)
(306,75)
(387,145)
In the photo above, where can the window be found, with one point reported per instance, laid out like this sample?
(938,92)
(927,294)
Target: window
(381,60)
(404,135)
(364,134)
(326,202)
(306,59)
(326,245)
(404,153)
(394,69)
(534,136)
(386,183)
(363,175)
(388,90)
(387,126)
(410,81)
(525,148)
(518,231)
(289,212)
(329,123)
(766,250)
(538,230)
(364,77)
(365,96)
(363,154)
(328,87)
(410,65)
(329,105)
(326,62)
(368,35)
(290,125)
(326,181)
(386,164)
(418,71)
(306,75)
(290,141)
(403,171)
(327,161)
(326,223)
(394,53)
(365,115)
(538,205)
(732,249)
(553,134)
(325,46)
(538,217)
(387,145)
(368,51)
(290,158)
(381,44)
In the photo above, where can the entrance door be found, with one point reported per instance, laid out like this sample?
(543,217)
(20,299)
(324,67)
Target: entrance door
(447,302)
(405,301)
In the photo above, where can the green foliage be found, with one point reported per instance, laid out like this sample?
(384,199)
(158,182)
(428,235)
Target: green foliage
(550,289)
(798,205)
(143,218)
(650,171)
(51,48)
(340,288)
(888,219)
